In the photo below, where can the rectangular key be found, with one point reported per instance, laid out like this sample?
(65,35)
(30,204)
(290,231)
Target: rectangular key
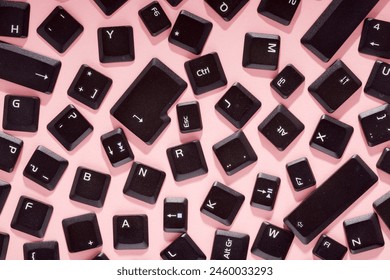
(378,83)
(15,17)
(41,250)
(375,124)
(382,208)
(4,240)
(331,199)
(175,214)
(10,148)
(375,39)
(28,69)
(182,248)
(329,32)
(227,9)
(5,189)
(327,248)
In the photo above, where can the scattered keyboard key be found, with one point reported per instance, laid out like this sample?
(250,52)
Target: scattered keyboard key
(187,161)
(287,81)
(101,257)
(384,161)
(116,44)
(265,191)
(300,174)
(331,136)
(10,148)
(5,189)
(110,6)
(117,147)
(229,245)
(175,214)
(190,32)
(15,18)
(376,125)
(45,168)
(378,84)
(281,127)
(174,3)
(227,10)
(375,39)
(69,127)
(222,203)
(238,105)
(82,232)
(330,199)
(335,86)
(42,250)
(21,113)
(143,107)
(272,242)
(363,233)
(131,232)
(327,248)
(281,11)
(189,117)
(335,23)
(382,208)
(31,216)
(4,241)
(182,248)
(154,18)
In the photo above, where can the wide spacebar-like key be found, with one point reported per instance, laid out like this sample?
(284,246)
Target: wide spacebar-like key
(331,199)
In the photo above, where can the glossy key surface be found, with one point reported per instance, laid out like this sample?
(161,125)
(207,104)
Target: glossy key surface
(229,245)
(41,250)
(327,248)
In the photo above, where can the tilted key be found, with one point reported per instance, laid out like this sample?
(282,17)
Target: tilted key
(117,147)
(229,245)
(327,248)
(378,83)
(375,39)
(10,148)
(375,124)
(227,9)
(265,191)
(4,240)
(15,18)
(189,117)
(154,18)
(300,174)
(41,250)
(281,11)
(182,248)
(287,81)
(382,208)
(5,189)
(110,6)
(384,161)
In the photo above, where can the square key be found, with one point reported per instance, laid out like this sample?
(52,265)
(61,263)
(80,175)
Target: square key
(116,44)
(5,189)
(154,18)
(375,124)
(131,232)
(378,83)
(175,214)
(287,81)
(21,113)
(327,248)
(229,245)
(300,174)
(117,147)
(10,148)
(375,38)
(189,117)
(384,161)
(265,191)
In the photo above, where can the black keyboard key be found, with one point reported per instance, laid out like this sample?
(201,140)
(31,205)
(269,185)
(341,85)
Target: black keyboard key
(265,191)
(261,51)
(117,147)
(60,29)
(335,86)
(189,117)
(384,161)
(375,38)
(272,242)
(182,248)
(143,107)
(187,161)
(190,32)
(5,189)
(281,127)
(238,105)
(10,148)
(4,241)
(131,232)
(90,187)
(144,183)
(45,168)
(110,6)
(382,208)
(327,248)
(69,127)
(300,174)
(21,113)
(205,73)
(363,233)
(82,232)
(281,11)
(331,136)
(330,199)
(378,84)
(31,216)
(222,203)
(101,257)
(154,18)
(15,18)
(174,3)
(229,245)
(287,81)
(116,44)
(42,250)
(375,124)
(227,9)
(175,214)
(28,69)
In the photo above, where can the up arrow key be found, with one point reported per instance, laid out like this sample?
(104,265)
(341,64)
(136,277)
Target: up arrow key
(210,204)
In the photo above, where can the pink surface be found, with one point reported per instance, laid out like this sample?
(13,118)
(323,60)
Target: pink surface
(227,40)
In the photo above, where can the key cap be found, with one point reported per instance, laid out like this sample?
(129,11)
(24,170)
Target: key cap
(117,147)
(42,250)
(272,242)
(382,208)
(175,214)
(90,187)
(101,257)
(182,248)
(110,6)
(5,189)
(189,117)
(89,87)
(190,32)
(70,128)
(281,127)
(154,18)
(335,24)
(375,38)
(229,245)
(60,29)
(144,183)
(4,241)
(234,153)
(28,69)
(287,81)
(222,203)
(330,199)
(378,84)
(116,44)
(335,86)
(10,148)
(261,51)
(143,107)
(187,161)
(31,216)
(327,248)
(227,9)
(331,136)
(82,232)
(131,232)
(265,191)
(174,3)
(45,168)
(300,174)
(15,19)
(363,233)
(281,11)
(375,124)
(205,73)
(384,161)
(238,105)
(21,113)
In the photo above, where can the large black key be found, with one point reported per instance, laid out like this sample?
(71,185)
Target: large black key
(110,6)
(175,214)
(382,207)
(327,248)
(300,174)
(329,32)
(229,245)
(281,11)
(15,18)
(4,240)
(10,148)
(330,199)
(265,191)
(227,9)
(117,147)
(154,18)
(21,113)
(375,39)
(384,161)
(41,250)
(5,189)
(182,248)
(131,232)
(189,117)
(378,84)
(143,107)
(287,81)
(376,125)
(28,69)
